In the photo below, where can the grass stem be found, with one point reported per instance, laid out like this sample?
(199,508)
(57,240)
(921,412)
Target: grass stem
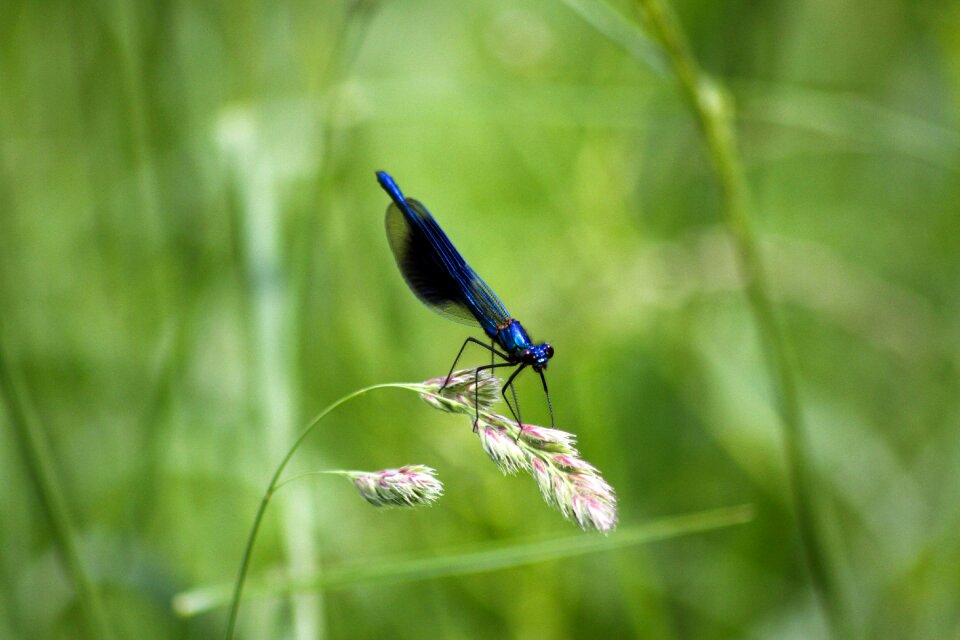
(39,463)
(275,484)
(713,109)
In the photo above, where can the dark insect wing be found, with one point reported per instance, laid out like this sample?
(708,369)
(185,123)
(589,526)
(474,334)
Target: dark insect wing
(479,297)
(437,273)
(421,269)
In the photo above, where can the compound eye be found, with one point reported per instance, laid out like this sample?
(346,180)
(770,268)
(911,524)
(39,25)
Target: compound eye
(549,350)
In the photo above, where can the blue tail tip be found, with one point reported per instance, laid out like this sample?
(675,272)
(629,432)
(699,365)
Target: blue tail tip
(389,185)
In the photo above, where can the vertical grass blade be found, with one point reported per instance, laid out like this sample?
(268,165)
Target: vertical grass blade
(713,110)
(271,304)
(39,464)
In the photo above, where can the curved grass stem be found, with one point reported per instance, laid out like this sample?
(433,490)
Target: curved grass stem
(713,109)
(275,484)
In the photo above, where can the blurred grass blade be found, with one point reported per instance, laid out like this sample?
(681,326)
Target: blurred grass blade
(378,572)
(38,461)
(851,119)
(259,185)
(714,111)
(611,23)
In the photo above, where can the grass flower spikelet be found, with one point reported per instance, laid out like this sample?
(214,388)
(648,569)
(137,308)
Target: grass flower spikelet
(566,481)
(503,449)
(409,486)
(464,393)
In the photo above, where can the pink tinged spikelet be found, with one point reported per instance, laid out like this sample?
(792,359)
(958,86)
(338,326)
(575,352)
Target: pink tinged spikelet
(566,481)
(408,486)
(541,473)
(502,449)
(547,439)
(463,392)
(576,488)
(573,463)
(593,502)
(562,496)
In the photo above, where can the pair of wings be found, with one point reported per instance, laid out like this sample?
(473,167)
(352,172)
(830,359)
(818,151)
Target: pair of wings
(436,272)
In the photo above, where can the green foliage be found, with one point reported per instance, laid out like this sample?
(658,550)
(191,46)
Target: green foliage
(193,264)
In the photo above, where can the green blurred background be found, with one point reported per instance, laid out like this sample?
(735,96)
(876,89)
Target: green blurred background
(193,264)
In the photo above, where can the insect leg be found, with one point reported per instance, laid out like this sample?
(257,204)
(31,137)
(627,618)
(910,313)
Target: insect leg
(476,404)
(476,382)
(546,391)
(460,353)
(516,415)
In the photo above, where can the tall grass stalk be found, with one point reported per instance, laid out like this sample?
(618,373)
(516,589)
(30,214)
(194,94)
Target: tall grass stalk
(277,275)
(272,340)
(39,463)
(713,109)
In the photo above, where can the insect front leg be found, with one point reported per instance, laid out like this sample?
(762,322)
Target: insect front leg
(503,392)
(460,353)
(476,404)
